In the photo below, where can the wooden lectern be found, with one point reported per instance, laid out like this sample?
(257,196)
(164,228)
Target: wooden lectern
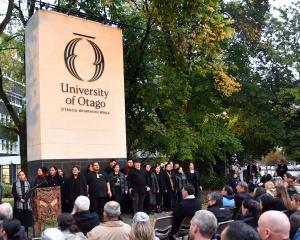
(46,206)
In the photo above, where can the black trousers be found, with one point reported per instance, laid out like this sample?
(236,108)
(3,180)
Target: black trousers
(169,200)
(97,205)
(138,201)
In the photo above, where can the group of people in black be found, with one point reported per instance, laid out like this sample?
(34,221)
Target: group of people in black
(151,188)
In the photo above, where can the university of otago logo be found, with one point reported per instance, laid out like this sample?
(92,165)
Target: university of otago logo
(70,57)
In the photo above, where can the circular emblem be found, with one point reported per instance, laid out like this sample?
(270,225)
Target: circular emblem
(70,56)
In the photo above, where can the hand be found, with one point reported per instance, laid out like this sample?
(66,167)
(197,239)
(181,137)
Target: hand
(147,189)
(22,200)
(109,194)
(126,192)
(130,190)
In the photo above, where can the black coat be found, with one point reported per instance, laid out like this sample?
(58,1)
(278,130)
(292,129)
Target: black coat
(86,221)
(168,183)
(40,181)
(123,182)
(54,181)
(239,198)
(136,181)
(186,208)
(194,179)
(74,188)
(251,221)
(222,214)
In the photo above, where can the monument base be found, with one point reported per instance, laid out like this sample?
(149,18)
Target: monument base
(67,164)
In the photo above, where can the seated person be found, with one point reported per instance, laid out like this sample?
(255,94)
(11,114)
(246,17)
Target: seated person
(186,208)
(215,205)
(84,219)
(238,230)
(228,199)
(250,211)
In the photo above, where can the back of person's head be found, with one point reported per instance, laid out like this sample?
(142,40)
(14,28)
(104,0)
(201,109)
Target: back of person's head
(281,192)
(6,211)
(13,230)
(112,210)
(268,203)
(258,192)
(273,225)
(270,186)
(66,221)
(238,230)
(295,224)
(52,234)
(228,189)
(295,198)
(243,185)
(215,196)
(189,188)
(141,217)
(82,203)
(205,223)
(142,230)
(252,207)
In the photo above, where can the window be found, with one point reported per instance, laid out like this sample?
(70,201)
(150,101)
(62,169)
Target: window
(5,174)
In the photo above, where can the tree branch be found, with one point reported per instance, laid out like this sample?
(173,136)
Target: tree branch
(21,15)
(8,106)
(8,15)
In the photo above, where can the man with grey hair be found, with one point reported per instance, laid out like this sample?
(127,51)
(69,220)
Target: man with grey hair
(52,234)
(203,225)
(6,211)
(113,227)
(85,219)
(242,194)
(273,225)
(215,205)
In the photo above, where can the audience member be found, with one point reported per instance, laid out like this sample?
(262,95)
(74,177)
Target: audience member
(228,198)
(203,225)
(267,203)
(250,211)
(258,192)
(292,182)
(6,211)
(295,226)
(112,228)
(52,234)
(266,177)
(295,200)
(270,188)
(239,230)
(273,225)
(13,230)
(242,194)
(215,206)
(85,219)
(283,196)
(69,228)
(185,208)
(141,228)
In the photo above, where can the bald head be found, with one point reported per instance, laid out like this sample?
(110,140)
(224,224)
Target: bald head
(273,225)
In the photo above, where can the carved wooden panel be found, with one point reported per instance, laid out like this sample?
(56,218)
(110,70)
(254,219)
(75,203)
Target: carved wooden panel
(46,207)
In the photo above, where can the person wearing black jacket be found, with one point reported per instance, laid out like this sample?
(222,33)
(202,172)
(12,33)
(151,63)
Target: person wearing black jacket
(98,189)
(251,212)
(40,179)
(180,181)
(152,186)
(215,205)
(169,188)
(53,179)
(118,184)
(85,219)
(241,195)
(158,192)
(75,186)
(193,178)
(137,186)
(186,208)
(110,169)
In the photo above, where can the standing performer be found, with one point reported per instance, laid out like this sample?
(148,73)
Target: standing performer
(22,205)
(169,188)
(75,186)
(194,179)
(53,178)
(181,180)
(98,189)
(40,179)
(118,185)
(158,192)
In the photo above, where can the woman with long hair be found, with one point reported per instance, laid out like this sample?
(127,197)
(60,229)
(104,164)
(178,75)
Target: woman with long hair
(295,200)
(22,205)
(283,196)
(53,178)
(193,178)
(75,186)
